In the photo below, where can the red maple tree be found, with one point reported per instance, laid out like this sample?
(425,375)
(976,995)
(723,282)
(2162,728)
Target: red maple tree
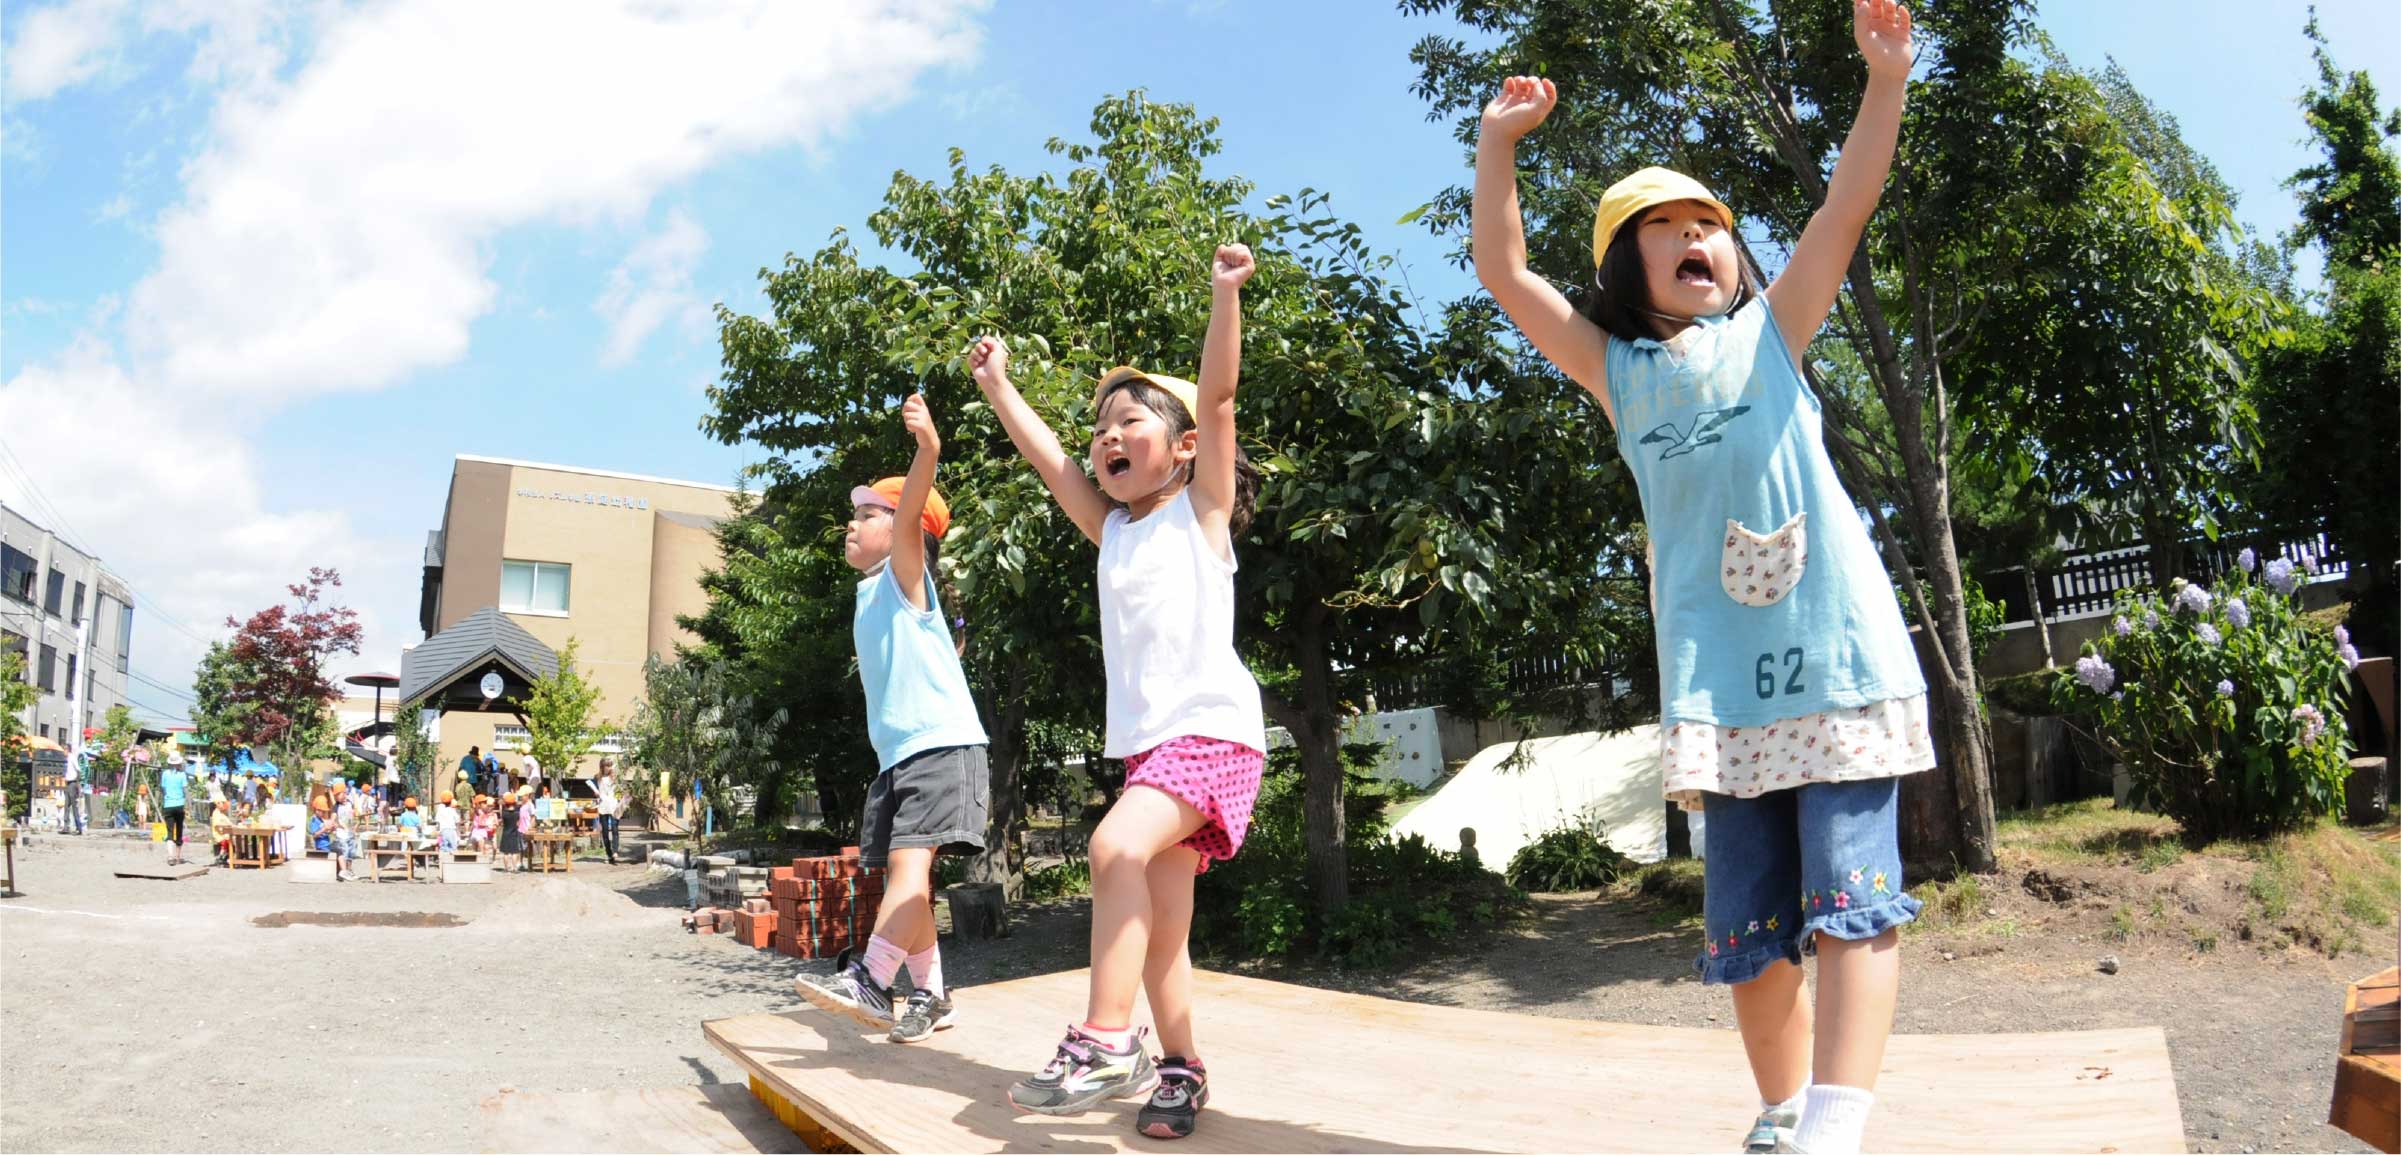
(277,672)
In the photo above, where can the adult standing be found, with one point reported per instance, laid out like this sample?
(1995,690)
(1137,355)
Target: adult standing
(610,806)
(73,814)
(530,768)
(475,769)
(171,784)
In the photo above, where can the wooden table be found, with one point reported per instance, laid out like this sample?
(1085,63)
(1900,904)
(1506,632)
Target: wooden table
(252,846)
(407,848)
(2367,1073)
(552,850)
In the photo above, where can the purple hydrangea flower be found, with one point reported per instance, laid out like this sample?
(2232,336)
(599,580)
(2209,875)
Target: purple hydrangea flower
(2150,619)
(2342,635)
(2122,626)
(2238,615)
(2312,723)
(2350,655)
(2207,633)
(2094,671)
(2117,696)
(2192,599)
(2225,687)
(2282,578)
(2248,559)
(2309,565)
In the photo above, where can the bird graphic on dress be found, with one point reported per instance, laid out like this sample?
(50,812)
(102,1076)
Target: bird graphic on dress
(1704,432)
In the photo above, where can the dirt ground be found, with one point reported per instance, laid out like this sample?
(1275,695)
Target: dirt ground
(144,1015)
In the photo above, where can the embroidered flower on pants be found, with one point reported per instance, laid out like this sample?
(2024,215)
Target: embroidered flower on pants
(1880,882)
(1842,900)
(1754,926)
(1858,876)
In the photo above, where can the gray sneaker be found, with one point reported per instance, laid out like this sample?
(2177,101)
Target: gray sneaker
(1082,1074)
(1772,1131)
(848,991)
(924,1014)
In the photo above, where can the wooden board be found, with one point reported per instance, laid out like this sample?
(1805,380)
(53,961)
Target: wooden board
(717,1117)
(164,873)
(1299,1069)
(2367,1076)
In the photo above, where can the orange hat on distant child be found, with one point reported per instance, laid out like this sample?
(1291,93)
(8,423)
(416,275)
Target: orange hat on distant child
(446,798)
(886,493)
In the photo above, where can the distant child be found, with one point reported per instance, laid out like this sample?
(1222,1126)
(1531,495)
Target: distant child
(1791,700)
(1173,493)
(446,821)
(220,829)
(932,795)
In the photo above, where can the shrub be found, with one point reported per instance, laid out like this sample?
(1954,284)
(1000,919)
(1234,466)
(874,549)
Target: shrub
(1573,857)
(1058,880)
(1402,891)
(2225,707)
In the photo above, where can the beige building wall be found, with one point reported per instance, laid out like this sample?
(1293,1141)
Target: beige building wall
(636,548)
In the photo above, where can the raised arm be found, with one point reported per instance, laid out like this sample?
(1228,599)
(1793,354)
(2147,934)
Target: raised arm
(988,363)
(1804,292)
(1220,371)
(1572,342)
(908,531)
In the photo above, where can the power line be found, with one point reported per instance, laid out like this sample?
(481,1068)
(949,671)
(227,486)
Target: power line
(155,684)
(76,540)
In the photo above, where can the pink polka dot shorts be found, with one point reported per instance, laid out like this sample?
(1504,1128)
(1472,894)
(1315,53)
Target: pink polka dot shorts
(1219,779)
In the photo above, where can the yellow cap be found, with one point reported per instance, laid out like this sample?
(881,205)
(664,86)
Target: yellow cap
(1180,389)
(1647,189)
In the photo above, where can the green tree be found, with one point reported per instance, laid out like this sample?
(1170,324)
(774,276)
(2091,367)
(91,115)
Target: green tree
(1415,502)
(693,727)
(16,754)
(415,756)
(2005,162)
(2331,401)
(562,718)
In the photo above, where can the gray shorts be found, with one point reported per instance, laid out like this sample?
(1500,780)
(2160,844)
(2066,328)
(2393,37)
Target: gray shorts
(939,798)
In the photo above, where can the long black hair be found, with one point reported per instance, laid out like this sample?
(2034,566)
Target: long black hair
(1620,298)
(1170,409)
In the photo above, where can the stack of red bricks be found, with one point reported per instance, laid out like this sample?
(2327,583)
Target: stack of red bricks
(753,924)
(822,905)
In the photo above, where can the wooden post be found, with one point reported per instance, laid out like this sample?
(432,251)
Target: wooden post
(977,910)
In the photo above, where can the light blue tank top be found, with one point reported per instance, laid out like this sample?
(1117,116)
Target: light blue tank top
(1771,601)
(917,697)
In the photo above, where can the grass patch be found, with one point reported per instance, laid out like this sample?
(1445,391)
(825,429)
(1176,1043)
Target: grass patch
(2326,888)
(2093,830)
(1673,885)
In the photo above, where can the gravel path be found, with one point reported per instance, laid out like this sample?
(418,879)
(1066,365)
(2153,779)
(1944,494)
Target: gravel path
(143,1015)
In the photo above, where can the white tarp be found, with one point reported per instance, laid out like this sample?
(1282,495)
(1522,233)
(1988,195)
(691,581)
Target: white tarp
(1516,792)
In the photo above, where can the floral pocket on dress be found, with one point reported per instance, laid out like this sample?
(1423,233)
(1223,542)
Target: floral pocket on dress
(1761,570)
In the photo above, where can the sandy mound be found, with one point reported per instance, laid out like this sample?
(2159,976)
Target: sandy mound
(547,903)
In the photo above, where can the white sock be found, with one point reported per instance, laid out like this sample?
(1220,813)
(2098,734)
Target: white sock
(1794,1104)
(1833,1119)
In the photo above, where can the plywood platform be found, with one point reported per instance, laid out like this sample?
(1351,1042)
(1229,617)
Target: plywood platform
(1299,1069)
(163,873)
(717,1118)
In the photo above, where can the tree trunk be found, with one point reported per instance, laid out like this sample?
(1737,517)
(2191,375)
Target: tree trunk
(1317,733)
(1003,859)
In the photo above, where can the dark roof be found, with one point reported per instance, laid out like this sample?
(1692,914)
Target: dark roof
(486,633)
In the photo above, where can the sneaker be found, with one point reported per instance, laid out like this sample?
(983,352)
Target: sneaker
(925,1014)
(848,991)
(1083,1073)
(1175,1107)
(1772,1132)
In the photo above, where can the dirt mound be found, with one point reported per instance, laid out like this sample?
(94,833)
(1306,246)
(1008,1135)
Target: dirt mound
(547,903)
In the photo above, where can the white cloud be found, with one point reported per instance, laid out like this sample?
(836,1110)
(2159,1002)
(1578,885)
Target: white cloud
(653,284)
(333,232)
(117,208)
(58,47)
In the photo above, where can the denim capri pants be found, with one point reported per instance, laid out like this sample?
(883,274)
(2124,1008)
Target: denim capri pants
(1821,857)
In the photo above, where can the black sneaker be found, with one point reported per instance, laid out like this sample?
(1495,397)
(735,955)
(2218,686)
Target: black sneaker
(1175,1107)
(1084,1072)
(848,991)
(924,1014)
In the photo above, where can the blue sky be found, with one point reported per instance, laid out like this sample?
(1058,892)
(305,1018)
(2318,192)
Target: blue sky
(269,268)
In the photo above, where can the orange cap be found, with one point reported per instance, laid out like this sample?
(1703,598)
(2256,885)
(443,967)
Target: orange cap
(886,493)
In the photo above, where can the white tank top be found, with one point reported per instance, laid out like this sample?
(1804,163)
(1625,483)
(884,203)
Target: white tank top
(1167,635)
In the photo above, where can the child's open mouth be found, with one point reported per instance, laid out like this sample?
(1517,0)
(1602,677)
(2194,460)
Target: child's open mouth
(1117,465)
(1695,271)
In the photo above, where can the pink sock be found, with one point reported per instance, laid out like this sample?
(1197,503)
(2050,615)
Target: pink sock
(925,970)
(883,960)
(1114,1038)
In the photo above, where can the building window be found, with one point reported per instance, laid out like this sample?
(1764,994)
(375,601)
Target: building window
(76,618)
(46,673)
(124,638)
(514,738)
(533,586)
(70,677)
(15,643)
(52,600)
(18,572)
(45,729)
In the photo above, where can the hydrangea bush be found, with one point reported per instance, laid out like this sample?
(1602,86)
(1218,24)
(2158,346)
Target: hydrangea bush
(2225,709)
